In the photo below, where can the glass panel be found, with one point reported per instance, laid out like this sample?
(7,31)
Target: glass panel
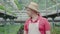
(50,6)
(58,1)
(16,8)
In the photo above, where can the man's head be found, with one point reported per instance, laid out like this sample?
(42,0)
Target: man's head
(32,9)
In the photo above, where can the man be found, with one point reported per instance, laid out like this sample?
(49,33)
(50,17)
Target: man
(36,24)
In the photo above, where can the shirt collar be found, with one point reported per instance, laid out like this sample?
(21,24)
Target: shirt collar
(36,19)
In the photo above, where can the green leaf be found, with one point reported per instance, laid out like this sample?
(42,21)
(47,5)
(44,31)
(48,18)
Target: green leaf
(2,7)
(19,5)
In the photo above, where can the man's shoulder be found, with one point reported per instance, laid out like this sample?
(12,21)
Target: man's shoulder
(27,21)
(42,18)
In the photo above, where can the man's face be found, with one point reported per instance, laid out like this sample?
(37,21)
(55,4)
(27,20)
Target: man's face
(29,12)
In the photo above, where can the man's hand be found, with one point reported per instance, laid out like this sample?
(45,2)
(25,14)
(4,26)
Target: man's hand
(47,32)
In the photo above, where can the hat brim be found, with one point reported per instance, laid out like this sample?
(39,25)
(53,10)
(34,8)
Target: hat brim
(31,8)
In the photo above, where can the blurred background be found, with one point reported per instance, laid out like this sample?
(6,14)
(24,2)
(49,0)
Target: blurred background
(13,15)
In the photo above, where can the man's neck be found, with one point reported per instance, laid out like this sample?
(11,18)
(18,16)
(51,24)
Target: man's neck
(34,17)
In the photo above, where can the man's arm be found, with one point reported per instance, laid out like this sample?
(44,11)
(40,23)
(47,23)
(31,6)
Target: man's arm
(25,27)
(47,27)
(24,32)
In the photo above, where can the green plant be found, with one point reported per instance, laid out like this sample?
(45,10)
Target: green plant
(19,5)
(1,7)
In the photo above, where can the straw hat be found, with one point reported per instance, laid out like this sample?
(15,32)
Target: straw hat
(33,6)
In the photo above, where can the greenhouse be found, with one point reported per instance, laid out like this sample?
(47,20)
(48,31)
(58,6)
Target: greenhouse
(13,15)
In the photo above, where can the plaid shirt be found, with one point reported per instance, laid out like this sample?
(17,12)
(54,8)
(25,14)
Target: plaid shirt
(43,25)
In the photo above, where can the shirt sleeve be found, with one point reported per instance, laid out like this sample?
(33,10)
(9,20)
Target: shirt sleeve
(47,25)
(25,26)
